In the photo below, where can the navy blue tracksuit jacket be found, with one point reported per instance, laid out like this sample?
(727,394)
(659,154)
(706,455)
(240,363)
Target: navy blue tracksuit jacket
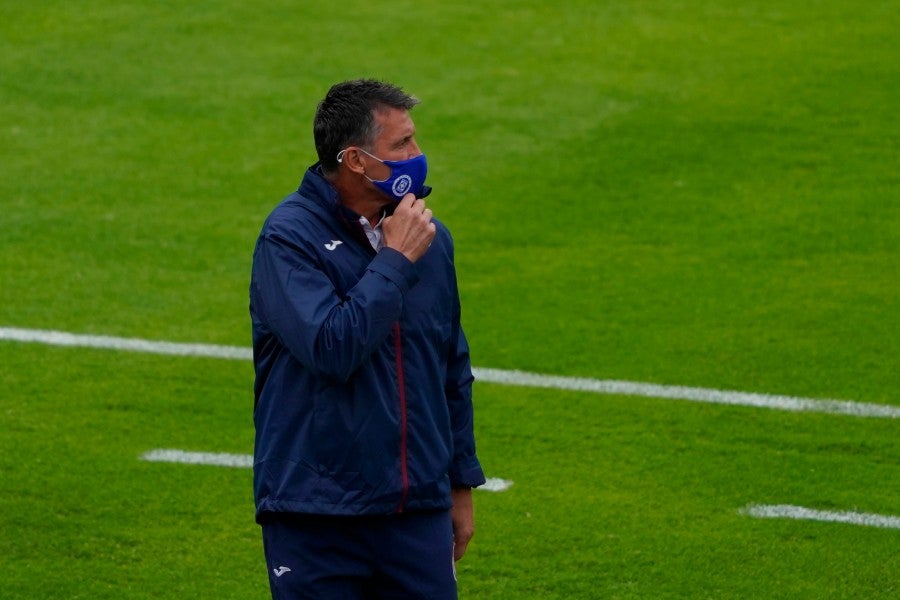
(363,380)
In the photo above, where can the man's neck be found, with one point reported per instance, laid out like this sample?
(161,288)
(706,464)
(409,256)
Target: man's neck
(368,205)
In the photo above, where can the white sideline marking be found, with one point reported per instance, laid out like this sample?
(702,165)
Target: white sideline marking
(245,461)
(517,378)
(693,394)
(787,511)
(61,338)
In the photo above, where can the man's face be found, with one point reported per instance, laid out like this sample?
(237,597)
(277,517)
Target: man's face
(396,141)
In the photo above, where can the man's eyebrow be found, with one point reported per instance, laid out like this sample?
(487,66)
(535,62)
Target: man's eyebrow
(402,141)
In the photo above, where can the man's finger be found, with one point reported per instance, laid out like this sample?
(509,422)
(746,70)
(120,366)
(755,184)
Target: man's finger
(407,200)
(459,549)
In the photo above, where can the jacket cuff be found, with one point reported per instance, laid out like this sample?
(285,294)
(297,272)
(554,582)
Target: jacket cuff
(395,267)
(466,474)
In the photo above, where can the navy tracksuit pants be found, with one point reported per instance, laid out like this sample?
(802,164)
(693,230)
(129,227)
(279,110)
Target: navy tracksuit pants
(408,555)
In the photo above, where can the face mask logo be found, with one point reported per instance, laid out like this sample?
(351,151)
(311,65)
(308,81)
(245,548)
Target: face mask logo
(406,176)
(401,185)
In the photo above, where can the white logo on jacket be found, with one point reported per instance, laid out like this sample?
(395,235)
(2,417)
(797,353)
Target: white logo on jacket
(281,571)
(333,244)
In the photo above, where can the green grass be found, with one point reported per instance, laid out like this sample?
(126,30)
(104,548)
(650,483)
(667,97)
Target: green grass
(695,193)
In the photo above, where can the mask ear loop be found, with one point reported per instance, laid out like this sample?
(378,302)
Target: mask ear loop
(364,151)
(340,159)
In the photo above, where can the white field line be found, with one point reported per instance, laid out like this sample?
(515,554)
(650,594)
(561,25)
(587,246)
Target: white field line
(693,394)
(245,461)
(516,378)
(215,459)
(61,338)
(787,511)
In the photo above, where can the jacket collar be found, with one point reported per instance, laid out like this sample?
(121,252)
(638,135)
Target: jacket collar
(315,187)
(318,189)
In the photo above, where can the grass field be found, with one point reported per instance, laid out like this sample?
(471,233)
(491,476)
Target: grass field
(697,193)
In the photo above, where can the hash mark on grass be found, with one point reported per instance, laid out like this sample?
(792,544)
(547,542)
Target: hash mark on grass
(787,511)
(497,376)
(215,459)
(245,461)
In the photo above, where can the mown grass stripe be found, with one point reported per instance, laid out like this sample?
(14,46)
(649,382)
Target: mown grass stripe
(497,376)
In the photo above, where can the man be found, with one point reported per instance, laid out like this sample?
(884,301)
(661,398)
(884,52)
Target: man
(364,458)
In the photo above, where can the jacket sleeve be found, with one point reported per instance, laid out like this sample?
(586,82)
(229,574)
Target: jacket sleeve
(465,470)
(330,334)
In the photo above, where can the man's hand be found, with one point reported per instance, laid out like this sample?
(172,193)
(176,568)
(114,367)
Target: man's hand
(409,230)
(463,516)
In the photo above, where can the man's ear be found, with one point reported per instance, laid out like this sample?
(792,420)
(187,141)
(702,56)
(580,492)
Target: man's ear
(353,160)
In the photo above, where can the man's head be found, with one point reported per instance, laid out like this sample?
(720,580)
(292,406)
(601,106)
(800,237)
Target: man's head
(346,116)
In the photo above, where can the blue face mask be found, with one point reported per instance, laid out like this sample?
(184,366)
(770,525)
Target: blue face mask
(406,176)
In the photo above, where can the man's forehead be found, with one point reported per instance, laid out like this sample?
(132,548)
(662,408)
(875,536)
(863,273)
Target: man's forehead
(397,119)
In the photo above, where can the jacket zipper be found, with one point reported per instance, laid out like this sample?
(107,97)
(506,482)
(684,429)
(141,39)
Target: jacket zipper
(404,474)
